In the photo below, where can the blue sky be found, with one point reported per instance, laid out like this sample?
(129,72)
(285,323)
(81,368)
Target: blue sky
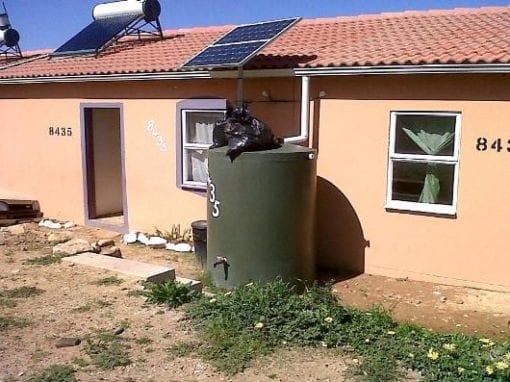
(49,23)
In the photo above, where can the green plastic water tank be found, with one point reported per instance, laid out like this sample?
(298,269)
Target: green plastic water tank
(261,214)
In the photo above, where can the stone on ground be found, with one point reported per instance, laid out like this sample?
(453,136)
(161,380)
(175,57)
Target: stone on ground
(59,237)
(67,342)
(142,238)
(18,229)
(157,242)
(72,247)
(111,251)
(130,238)
(144,271)
(106,243)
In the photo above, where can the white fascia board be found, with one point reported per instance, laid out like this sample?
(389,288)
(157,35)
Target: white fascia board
(404,69)
(109,77)
(256,73)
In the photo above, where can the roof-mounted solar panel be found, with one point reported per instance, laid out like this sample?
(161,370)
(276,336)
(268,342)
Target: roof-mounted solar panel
(111,22)
(239,45)
(95,35)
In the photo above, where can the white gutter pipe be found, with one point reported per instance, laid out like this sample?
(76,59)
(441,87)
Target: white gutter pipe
(305,113)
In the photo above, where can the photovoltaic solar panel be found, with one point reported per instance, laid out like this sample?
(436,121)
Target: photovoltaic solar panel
(94,36)
(224,54)
(261,31)
(239,45)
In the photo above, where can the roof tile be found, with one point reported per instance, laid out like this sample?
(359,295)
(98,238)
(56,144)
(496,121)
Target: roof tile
(458,36)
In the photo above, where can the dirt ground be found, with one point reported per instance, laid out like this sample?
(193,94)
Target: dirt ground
(73,305)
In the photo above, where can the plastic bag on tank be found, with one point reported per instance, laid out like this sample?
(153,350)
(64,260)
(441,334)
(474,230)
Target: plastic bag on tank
(241,132)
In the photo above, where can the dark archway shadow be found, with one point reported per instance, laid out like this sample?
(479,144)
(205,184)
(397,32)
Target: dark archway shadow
(340,243)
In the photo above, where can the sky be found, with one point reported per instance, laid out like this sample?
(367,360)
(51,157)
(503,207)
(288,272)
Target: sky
(50,23)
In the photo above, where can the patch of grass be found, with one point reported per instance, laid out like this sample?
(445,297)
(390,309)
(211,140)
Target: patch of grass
(8,303)
(143,340)
(106,281)
(80,362)
(92,305)
(55,373)
(171,293)
(254,319)
(45,260)
(179,350)
(8,322)
(21,292)
(38,355)
(107,350)
(137,293)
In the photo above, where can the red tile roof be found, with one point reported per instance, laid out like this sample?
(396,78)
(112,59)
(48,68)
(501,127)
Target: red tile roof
(458,36)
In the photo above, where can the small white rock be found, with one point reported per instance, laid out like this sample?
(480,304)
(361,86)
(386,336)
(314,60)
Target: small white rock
(170,246)
(157,242)
(143,239)
(130,238)
(68,225)
(182,247)
(42,223)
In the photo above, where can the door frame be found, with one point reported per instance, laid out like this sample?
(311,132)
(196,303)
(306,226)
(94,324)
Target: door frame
(87,162)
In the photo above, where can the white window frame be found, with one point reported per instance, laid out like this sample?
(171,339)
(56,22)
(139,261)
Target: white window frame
(397,157)
(192,146)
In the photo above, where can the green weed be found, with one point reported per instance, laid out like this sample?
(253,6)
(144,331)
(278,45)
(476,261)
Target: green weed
(107,350)
(8,322)
(171,293)
(181,350)
(143,340)
(8,303)
(55,373)
(254,319)
(111,280)
(21,292)
(45,260)
(92,305)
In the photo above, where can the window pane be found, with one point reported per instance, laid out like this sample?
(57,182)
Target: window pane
(423,182)
(425,135)
(196,165)
(199,126)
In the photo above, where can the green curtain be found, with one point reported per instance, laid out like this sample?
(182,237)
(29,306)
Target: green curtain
(431,144)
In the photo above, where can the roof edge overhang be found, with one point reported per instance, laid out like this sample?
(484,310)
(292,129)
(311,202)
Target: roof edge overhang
(404,69)
(265,73)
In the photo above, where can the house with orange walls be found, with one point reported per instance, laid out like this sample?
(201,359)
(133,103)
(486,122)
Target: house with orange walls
(408,112)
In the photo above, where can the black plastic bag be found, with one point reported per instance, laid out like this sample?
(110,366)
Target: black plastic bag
(241,132)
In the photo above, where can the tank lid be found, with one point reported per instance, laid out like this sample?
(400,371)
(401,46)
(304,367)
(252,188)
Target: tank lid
(287,151)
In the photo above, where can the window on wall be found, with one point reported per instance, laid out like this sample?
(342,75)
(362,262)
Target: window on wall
(423,162)
(197,118)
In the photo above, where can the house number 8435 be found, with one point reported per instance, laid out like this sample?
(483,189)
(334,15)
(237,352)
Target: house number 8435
(60,131)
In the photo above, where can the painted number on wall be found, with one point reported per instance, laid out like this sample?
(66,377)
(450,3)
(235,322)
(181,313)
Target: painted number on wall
(60,131)
(498,144)
(160,141)
(212,198)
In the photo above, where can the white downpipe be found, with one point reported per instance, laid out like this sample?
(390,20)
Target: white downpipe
(305,113)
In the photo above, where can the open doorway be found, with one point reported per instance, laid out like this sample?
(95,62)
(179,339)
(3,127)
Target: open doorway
(104,183)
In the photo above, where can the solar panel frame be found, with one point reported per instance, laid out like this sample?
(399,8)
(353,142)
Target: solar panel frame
(285,24)
(95,36)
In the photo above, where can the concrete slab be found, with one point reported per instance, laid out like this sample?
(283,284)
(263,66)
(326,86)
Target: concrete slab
(144,271)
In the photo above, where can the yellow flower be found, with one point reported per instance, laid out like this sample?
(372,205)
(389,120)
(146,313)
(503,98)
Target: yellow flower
(410,355)
(259,325)
(486,342)
(449,347)
(433,355)
(489,369)
(212,300)
(391,332)
(329,320)
(501,365)
(507,355)
(460,370)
